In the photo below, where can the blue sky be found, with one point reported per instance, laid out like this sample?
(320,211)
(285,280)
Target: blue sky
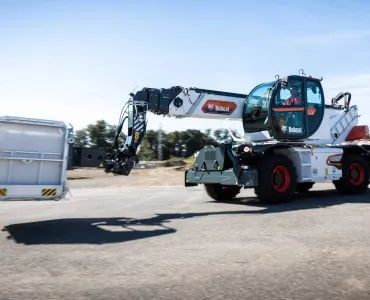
(77,61)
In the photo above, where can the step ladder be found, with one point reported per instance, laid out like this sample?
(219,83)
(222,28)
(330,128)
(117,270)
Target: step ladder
(306,165)
(344,122)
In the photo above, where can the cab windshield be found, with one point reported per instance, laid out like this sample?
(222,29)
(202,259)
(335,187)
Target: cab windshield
(256,108)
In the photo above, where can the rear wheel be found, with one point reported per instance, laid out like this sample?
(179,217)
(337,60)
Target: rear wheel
(220,192)
(277,179)
(355,175)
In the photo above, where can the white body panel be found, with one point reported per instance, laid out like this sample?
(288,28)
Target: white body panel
(33,192)
(323,133)
(208,105)
(193,102)
(320,170)
(335,126)
(33,157)
(311,163)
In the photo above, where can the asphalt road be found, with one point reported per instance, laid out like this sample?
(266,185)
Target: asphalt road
(174,243)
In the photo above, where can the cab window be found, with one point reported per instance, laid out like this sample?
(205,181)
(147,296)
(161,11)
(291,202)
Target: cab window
(315,105)
(288,120)
(256,109)
(290,94)
(314,94)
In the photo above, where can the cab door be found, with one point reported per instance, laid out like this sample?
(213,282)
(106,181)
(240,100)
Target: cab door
(288,110)
(315,105)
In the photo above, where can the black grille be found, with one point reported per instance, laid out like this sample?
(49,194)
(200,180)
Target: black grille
(210,155)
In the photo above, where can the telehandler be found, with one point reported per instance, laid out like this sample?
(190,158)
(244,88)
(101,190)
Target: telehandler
(292,138)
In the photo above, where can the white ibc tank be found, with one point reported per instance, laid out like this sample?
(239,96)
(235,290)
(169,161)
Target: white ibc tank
(33,158)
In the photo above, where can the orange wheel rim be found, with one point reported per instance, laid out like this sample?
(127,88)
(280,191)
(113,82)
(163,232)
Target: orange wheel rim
(356,174)
(280,179)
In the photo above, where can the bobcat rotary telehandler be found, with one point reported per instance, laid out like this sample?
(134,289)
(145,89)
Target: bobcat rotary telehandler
(292,138)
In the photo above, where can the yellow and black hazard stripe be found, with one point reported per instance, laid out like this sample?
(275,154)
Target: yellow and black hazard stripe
(49,192)
(3,192)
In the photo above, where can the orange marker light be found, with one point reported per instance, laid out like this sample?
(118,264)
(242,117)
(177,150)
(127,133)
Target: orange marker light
(309,76)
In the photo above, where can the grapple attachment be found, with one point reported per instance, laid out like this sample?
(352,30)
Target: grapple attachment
(121,159)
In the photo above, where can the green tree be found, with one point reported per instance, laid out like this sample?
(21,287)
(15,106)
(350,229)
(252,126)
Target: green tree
(185,143)
(222,136)
(174,144)
(111,133)
(208,132)
(98,135)
(81,138)
(149,146)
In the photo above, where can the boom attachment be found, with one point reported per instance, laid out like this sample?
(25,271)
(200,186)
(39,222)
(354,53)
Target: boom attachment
(120,159)
(175,102)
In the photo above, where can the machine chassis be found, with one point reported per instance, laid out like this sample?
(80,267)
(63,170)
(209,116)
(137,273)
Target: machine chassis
(278,170)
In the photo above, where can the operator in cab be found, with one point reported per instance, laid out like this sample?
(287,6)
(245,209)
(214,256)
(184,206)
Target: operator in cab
(294,98)
(293,119)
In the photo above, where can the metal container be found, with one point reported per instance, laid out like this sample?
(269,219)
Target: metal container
(33,158)
(85,157)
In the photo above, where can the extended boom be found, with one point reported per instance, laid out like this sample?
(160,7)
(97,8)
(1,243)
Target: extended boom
(174,102)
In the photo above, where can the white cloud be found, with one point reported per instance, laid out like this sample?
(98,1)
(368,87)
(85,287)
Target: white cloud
(355,84)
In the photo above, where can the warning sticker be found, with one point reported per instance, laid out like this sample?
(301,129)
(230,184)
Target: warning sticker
(48,192)
(219,107)
(136,138)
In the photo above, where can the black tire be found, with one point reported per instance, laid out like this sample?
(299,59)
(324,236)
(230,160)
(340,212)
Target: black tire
(304,187)
(271,191)
(355,175)
(221,192)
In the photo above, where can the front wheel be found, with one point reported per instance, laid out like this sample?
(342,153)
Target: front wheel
(277,179)
(355,175)
(220,192)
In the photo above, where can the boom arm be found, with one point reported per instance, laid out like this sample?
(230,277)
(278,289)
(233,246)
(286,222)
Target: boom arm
(173,102)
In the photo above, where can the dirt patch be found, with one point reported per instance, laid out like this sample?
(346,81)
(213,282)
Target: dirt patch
(87,173)
(160,176)
(172,163)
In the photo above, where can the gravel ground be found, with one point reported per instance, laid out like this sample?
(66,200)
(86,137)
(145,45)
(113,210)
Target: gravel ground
(175,243)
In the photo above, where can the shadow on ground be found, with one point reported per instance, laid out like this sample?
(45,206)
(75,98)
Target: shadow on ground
(310,200)
(78,178)
(118,230)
